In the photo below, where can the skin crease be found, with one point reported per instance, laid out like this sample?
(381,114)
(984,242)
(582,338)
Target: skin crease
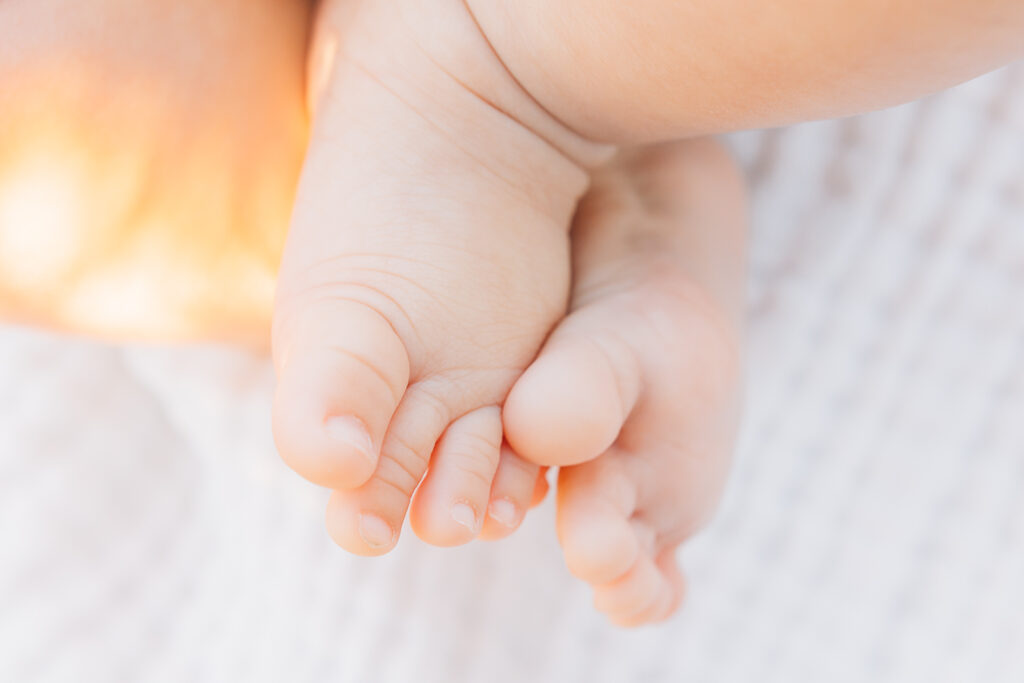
(656,69)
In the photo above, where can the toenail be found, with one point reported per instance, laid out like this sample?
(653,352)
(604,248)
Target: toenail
(504,512)
(464,515)
(351,432)
(375,531)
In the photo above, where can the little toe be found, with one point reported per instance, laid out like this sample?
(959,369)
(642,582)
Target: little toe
(570,404)
(541,488)
(512,494)
(660,609)
(368,520)
(640,592)
(669,566)
(595,502)
(449,507)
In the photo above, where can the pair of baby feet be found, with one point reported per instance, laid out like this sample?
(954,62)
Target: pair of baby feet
(424,351)
(426,296)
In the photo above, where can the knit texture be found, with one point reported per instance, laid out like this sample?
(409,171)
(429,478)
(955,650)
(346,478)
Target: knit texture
(872,529)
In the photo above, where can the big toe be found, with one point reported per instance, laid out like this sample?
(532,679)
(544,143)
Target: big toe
(342,371)
(672,215)
(570,404)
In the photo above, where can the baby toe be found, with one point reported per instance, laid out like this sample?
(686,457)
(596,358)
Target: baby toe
(341,372)
(540,488)
(658,608)
(570,404)
(635,596)
(450,505)
(668,564)
(512,492)
(368,520)
(595,502)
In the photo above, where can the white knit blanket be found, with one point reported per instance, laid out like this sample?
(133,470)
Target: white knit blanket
(873,531)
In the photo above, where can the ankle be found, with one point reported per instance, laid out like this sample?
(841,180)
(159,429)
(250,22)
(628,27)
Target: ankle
(438,62)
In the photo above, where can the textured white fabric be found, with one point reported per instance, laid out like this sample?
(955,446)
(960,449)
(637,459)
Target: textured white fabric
(872,530)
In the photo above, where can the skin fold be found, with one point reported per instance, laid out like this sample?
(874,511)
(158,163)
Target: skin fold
(657,69)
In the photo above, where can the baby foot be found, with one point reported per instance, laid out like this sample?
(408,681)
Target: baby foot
(639,382)
(426,263)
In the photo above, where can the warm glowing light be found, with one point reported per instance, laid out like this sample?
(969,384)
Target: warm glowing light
(160,288)
(321,64)
(40,238)
(126,296)
(133,220)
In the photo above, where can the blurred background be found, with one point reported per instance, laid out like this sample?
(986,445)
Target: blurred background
(872,529)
